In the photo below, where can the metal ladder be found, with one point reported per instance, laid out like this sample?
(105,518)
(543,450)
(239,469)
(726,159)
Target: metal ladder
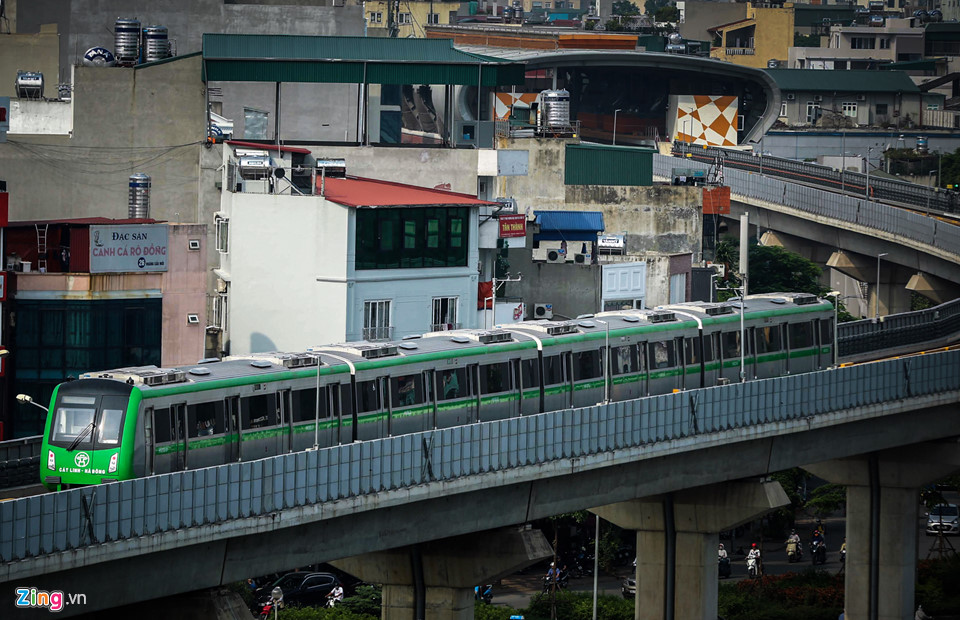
(42,248)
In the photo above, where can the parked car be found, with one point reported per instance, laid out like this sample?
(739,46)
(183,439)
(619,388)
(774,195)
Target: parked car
(299,589)
(629,587)
(943,519)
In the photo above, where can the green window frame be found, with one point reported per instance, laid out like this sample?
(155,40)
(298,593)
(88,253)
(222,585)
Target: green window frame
(411,238)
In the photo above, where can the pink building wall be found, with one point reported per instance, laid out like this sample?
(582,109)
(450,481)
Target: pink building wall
(184,293)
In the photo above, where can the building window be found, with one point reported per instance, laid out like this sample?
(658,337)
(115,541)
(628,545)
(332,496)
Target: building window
(376,17)
(783,108)
(223,234)
(411,238)
(220,311)
(444,315)
(433,18)
(881,109)
(404,18)
(884,44)
(862,43)
(678,288)
(376,320)
(813,111)
(849,108)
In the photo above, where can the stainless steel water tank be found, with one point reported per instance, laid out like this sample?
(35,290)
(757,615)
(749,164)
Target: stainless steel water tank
(126,33)
(29,85)
(138,202)
(156,44)
(555,108)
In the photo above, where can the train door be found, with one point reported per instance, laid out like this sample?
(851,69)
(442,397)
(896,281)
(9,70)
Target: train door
(148,442)
(178,415)
(824,329)
(473,372)
(692,362)
(567,357)
(496,391)
(771,351)
(285,436)
(232,412)
(411,402)
(371,421)
(664,366)
(554,382)
(528,376)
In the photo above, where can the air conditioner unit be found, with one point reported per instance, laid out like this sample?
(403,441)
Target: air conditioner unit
(818,97)
(221,286)
(555,256)
(861,97)
(540,254)
(581,258)
(791,96)
(543,311)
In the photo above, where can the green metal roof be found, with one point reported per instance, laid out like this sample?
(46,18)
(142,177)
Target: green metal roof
(853,81)
(352,60)
(928,64)
(806,15)
(942,31)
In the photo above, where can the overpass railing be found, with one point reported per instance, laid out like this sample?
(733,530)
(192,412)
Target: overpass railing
(893,220)
(78,518)
(896,331)
(19,461)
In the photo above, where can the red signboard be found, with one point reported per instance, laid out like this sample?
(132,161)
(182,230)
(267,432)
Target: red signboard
(4,208)
(513,226)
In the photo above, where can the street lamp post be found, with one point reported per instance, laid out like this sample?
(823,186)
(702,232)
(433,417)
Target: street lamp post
(877,292)
(615,126)
(866,190)
(27,399)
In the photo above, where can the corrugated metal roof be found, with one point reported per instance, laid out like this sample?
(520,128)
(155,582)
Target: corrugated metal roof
(570,221)
(814,80)
(360,192)
(268,147)
(88,221)
(301,58)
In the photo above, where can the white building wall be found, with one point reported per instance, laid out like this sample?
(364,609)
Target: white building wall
(279,247)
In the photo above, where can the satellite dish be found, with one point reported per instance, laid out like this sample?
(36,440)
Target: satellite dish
(279,172)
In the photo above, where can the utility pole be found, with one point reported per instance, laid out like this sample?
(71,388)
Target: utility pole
(497,282)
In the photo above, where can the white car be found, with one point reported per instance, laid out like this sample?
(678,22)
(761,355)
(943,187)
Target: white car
(943,519)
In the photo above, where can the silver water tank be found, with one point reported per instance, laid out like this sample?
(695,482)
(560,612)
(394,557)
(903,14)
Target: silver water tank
(138,202)
(29,85)
(98,57)
(126,32)
(555,108)
(156,45)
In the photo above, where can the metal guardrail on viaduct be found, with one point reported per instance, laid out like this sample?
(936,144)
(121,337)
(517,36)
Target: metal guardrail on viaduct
(918,228)
(65,530)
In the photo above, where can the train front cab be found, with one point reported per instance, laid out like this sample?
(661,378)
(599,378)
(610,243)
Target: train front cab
(91,434)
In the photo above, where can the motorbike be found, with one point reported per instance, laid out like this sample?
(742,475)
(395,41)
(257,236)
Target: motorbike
(723,567)
(562,582)
(794,551)
(266,612)
(484,593)
(818,552)
(752,567)
(843,555)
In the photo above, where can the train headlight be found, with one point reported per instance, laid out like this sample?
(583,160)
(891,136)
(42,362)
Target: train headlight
(113,463)
(51,461)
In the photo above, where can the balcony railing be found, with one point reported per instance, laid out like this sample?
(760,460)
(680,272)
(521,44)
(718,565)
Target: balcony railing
(443,327)
(378,333)
(739,51)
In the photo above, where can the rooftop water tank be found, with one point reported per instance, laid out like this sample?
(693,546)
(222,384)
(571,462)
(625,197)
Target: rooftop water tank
(922,144)
(138,201)
(126,32)
(156,45)
(98,57)
(29,85)
(555,108)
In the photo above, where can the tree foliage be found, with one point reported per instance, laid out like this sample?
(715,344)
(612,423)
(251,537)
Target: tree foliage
(625,8)
(667,14)
(806,40)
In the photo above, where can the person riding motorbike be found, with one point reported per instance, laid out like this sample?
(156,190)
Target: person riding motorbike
(794,549)
(753,560)
(721,552)
(335,596)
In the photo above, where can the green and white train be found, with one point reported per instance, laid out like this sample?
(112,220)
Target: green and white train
(132,422)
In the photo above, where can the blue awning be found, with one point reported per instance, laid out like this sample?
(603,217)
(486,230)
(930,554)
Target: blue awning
(568,225)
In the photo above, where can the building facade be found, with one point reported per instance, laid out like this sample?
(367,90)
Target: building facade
(765,34)
(863,47)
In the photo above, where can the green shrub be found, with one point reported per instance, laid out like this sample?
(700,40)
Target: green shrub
(483,611)
(321,613)
(366,601)
(579,606)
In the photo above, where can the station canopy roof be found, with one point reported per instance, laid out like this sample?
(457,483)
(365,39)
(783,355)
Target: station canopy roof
(350,60)
(568,225)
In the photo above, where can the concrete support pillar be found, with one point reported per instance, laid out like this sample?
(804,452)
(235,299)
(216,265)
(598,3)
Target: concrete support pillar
(447,570)
(699,514)
(933,288)
(891,289)
(899,475)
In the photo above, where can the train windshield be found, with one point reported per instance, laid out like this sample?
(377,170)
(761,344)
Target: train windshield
(80,424)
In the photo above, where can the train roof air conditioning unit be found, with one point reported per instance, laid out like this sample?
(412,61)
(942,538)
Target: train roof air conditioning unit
(543,311)
(556,256)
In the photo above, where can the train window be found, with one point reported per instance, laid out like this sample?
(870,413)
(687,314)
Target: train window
(624,360)
(368,396)
(494,378)
(730,342)
(72,420)
(259,411)
(453,383)
(768,339)
(205,419)
(346,398)
(552,370)
(691,350)
(586,365)
(531,373)
(801,335)
(662,354)
(305,405)
(111,420)
(406,390)
(161,425)
(826,331)
(708,347)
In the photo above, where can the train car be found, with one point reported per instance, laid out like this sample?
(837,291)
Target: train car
(132,422)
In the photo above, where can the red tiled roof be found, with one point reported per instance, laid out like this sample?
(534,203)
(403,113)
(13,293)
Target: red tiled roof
(728,24)
(88,221)
(267,147)
(360,192)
